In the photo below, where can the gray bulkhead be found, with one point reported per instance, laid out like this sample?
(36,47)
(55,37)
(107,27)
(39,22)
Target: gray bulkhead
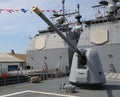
(49,49)
(105,37)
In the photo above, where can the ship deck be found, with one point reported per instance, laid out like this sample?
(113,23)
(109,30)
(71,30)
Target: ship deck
(51,88)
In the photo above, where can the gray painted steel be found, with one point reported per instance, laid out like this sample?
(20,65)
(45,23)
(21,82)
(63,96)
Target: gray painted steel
(107,44)
(109,51)
(51,57)
(110,89)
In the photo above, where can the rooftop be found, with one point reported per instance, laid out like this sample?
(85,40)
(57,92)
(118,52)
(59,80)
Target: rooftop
(4,57)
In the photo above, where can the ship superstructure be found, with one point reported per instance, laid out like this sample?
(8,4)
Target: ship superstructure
(103,34)
(48,50)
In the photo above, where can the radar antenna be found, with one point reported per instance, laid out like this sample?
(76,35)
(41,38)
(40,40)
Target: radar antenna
(63,2)
(78,16)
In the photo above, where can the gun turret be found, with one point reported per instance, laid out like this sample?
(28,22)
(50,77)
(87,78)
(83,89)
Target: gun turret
(39,13)
(86,66)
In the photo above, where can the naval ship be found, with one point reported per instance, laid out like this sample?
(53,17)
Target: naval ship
(106,43)
(102,33)
(48,50)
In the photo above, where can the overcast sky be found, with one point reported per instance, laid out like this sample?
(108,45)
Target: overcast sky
(16,28)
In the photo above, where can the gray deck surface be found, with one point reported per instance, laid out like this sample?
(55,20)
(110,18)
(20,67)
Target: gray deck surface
(50,88)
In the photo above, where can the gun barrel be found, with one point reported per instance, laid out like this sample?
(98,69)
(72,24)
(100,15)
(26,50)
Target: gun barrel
(39,13)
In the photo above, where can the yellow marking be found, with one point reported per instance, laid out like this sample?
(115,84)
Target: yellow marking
(36,10)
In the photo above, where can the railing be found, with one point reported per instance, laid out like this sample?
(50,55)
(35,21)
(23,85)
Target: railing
(12,80)
(24,76)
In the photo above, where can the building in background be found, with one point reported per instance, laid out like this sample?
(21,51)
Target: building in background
(12,61)
(21,57)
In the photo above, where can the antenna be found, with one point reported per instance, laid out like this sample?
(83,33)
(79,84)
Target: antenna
(78,16)
(63,2)
(78,6)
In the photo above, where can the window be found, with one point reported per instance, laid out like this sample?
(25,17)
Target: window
(27,67)
(12,67)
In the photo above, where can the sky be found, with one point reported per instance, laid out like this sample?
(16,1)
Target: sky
(16,28)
